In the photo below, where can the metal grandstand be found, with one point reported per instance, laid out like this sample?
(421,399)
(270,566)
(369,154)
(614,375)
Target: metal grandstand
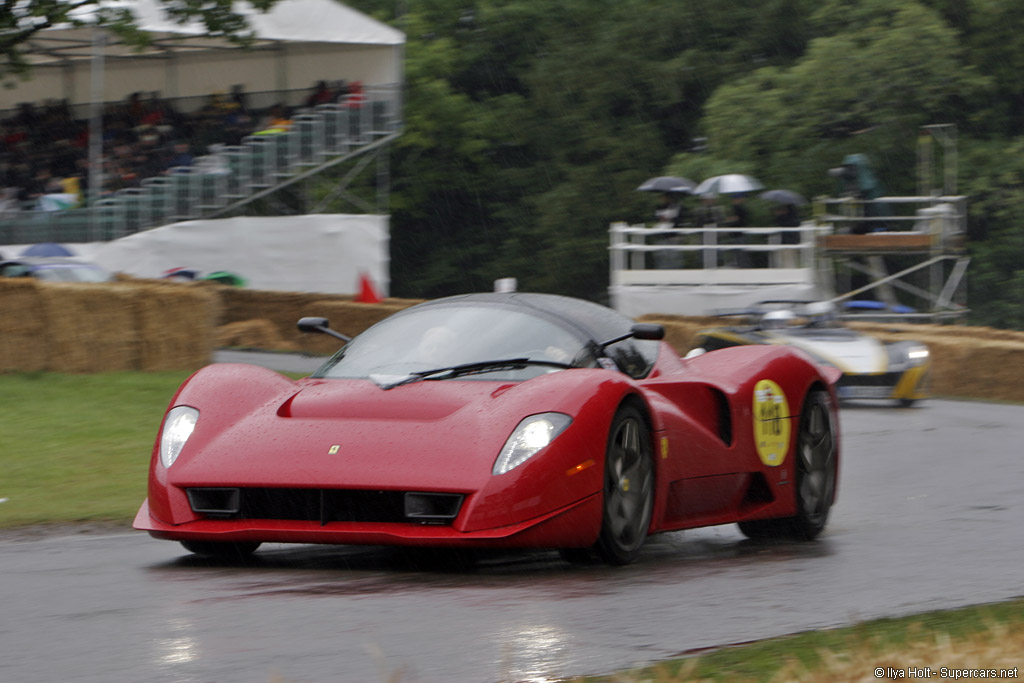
(231,178)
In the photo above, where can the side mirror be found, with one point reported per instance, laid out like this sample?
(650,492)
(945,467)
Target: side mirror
(317,324)
(648,331)
(638,331)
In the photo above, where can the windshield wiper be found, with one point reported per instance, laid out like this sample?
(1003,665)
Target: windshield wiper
(473,369)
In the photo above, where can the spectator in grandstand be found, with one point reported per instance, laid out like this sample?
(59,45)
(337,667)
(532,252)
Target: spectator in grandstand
(44,141)
(787,216)
(669,210)
(275,120)
(180,155)
(120,176)
(237,124)
(239,97)
(668,214)
(354,97)
(39,183)
(739,216)
(322,94)
(709,213)
(147,159)
(55,198)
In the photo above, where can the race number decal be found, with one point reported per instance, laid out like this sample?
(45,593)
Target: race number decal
(771,422)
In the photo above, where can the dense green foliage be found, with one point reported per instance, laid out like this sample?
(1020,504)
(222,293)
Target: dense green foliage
(530,123)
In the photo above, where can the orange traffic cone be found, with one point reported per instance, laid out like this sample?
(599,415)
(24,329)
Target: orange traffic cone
(367,292)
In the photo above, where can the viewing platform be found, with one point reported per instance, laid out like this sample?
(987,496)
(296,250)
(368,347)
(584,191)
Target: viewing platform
(906,252)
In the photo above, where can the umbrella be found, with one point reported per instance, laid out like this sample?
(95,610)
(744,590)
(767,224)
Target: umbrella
(667,184)
(47,249)
(730,183)
(783,197)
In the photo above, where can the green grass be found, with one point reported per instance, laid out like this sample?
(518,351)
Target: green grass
(933,639)
(76,447)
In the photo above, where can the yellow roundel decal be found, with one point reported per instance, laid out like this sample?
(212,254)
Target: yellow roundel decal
(771,422)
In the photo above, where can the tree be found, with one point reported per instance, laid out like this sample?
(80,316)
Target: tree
(20,21)
(887,70)
(995,183)
(530,123)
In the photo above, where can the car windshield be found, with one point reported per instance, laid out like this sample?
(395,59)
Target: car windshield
(432,338)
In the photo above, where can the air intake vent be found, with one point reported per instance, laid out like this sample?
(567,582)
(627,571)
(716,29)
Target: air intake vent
(214,502)
(432,508)
(325,505)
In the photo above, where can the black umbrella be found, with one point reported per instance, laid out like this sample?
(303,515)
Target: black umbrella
(783,197)
(668,184)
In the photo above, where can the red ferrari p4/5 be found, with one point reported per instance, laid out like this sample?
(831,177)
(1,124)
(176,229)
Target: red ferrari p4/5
(498,420)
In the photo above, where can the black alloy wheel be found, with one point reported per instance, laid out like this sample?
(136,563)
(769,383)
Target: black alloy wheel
(815,476)
(628,488)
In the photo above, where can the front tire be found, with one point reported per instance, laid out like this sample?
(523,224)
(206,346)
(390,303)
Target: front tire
(222,550)
(628,488)
(815,476)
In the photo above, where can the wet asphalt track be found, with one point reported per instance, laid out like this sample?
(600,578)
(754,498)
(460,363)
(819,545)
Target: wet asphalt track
(930,516)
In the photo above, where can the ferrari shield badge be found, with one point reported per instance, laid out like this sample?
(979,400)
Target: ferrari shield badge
(771,422)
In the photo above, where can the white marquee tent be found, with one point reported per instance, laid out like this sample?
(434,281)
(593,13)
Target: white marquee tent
(298,42)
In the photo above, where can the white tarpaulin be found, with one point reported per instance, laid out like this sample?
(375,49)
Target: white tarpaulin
(297,43)
(314,253)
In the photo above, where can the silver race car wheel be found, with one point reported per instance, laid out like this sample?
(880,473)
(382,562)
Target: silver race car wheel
(815,476)
(628,488)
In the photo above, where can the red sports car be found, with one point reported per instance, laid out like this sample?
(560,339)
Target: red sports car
(497,420)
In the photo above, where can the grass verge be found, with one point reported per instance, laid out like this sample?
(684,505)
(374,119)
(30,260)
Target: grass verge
(985,641)
(76,447)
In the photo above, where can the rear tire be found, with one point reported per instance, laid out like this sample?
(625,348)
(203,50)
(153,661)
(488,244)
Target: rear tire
(628,488)
(815,477)
(222,550)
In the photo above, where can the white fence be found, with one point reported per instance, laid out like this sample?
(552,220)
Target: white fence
(694,271)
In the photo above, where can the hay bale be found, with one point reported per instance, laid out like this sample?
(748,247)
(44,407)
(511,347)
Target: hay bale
(681,331)
(90,327)
(254,334)
(348,317)
(176,325)
(284,309)
(971,362)
(23,336)
(280,309)
(968,366)
(986,369)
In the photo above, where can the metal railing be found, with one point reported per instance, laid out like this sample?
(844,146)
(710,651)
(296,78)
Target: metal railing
(227,175)
(944,217)
(661,255)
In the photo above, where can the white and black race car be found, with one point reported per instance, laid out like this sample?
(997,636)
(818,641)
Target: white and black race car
(872,368)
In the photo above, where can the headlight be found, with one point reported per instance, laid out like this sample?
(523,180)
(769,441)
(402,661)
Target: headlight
(178,426)
(531,435)
(917,354)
